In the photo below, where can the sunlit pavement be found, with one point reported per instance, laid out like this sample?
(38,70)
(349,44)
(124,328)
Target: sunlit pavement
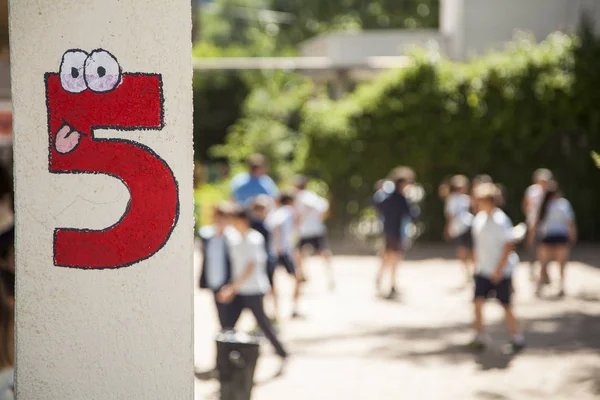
(353,345)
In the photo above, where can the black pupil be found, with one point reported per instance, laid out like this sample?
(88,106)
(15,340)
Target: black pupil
(101,72)
(74,72)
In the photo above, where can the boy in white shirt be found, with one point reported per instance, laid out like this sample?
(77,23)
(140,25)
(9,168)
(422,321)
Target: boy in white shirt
(311,209)
(494,261)
(249,278)
(282,224)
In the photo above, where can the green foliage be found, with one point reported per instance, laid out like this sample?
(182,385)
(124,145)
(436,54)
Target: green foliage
(596,158)
(504,114)
(270,124)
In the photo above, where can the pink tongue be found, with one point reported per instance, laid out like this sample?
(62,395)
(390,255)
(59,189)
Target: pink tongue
(66,139)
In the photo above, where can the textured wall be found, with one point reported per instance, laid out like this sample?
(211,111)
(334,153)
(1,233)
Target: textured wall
(103,313)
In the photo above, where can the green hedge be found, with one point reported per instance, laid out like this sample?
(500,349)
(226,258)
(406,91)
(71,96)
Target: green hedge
(504,114)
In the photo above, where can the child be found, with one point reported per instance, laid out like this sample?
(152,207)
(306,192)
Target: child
(282,223)
(312,209)
(459,219)
(494,260)
(259,210)
(532,201)
(557,230)
(249,281)
(394,208)
(216,264)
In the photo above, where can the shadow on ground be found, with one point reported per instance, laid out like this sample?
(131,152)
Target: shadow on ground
(570,332)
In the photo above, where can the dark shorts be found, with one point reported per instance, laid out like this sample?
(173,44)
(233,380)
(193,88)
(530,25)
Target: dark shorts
(484,288)
(393,243)
(318,243)
(284,260)
(555,240)
(465,240)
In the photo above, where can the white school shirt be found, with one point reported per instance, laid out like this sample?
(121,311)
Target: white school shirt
(246,249)
(534,195)
(490,234)
(281,224)
(558,217)
(457,210)
(311,207)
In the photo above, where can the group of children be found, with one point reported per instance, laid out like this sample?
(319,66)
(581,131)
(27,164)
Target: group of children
(485,237)
(246,244)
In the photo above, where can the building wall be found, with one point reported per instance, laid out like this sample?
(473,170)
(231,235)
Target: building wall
(482,25)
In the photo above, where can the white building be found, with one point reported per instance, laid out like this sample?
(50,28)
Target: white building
(467,28)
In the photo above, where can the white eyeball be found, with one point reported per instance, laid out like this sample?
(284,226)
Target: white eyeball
(72,71)
(102,71)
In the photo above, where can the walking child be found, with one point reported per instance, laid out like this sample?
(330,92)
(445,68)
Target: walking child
(557,231)
(216,263)
(312,209)
(282,223)
(495,260)
(249,280)
(394,209)
(459,220)
(532,201)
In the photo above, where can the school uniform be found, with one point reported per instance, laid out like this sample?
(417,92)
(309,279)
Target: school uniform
(216,265)
(456,209)
(491,233)
(395,210)
(554,228)
(249,249)
(282,243)
(312,230)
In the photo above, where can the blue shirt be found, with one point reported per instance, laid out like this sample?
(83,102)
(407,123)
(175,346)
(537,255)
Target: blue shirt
(245,187)
(394,209)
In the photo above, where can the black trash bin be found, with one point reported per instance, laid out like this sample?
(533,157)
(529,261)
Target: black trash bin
(237,354)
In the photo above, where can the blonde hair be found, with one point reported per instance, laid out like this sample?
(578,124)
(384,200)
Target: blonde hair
(487,191)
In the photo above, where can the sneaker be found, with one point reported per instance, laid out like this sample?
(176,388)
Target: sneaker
(476,345)
(393,294)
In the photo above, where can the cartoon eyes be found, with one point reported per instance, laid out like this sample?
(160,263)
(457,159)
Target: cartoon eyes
(98,71)
(71,71)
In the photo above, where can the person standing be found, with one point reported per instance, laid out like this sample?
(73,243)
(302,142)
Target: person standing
(394,208)
(312,232)
(557,231)
(495,260)
(247,185)
(532,201)
(459,220)
(216,262)
(249,281)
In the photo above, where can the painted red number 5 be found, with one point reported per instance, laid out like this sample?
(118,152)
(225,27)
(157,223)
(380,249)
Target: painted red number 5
(91,92)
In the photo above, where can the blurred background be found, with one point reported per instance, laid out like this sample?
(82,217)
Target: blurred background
(344,91)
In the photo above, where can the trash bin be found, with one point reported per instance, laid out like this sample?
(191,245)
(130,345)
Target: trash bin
(237,354)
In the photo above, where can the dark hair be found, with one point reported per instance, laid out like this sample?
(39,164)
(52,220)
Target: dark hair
(287,197)
(551,191)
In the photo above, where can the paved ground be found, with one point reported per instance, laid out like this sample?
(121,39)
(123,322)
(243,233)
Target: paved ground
(353,345)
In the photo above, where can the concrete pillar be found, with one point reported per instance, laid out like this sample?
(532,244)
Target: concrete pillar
(102,108)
